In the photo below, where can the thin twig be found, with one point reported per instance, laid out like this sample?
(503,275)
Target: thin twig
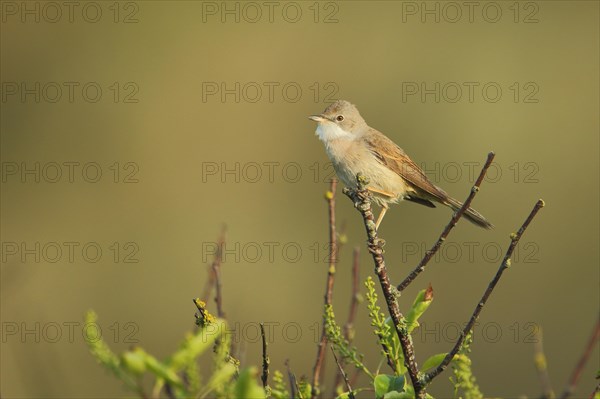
(455,218)
(218,297)
(541,365)
(362,201)
(343,374)
(210,282)
(515,237)
(292,378)
(354,300)
(349,326)
(317,370)
(582,361)
(265,358)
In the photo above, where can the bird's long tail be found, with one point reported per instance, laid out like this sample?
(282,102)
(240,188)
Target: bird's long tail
(471,214)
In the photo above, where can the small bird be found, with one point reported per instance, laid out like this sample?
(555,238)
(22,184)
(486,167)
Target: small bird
(353,147)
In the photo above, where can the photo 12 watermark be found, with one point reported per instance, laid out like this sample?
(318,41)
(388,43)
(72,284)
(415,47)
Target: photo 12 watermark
(315,252)
(252,12)
(90,92)
(71,12)
(53,172)
(69,252)
(453,12)
(489,92)
(53,332)
(268,92)
(274,172)
(292,332)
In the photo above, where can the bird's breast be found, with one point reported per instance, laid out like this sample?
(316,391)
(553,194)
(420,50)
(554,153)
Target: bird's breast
(350,157)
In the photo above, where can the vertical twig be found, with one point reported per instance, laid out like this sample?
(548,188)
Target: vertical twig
(218,297)
(515,237)
(317,370)
(349,326)
(265,358)
(292,378)
(210,282)
(362,201)
(541,365)
(343,374)
(455,218)
(582,361)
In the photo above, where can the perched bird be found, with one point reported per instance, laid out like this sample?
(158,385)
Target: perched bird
(353,147)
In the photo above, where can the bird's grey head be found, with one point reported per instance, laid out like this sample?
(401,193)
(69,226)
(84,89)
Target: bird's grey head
(339,120)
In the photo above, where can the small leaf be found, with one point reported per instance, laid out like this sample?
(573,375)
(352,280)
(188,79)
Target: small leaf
(433,361)
(384,383)
(420,305)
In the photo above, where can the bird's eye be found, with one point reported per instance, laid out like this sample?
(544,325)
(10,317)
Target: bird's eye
(340,118)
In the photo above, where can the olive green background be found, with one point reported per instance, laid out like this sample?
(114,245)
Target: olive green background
(175,211)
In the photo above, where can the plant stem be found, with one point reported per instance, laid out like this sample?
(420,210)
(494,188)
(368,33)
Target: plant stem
(362,202)
(317,370)
(349,326)
(265,358)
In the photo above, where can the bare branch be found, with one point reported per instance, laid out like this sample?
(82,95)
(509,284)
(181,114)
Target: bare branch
(210,282)
(349,326)
(515,237)
(455,218)
(292,378)
(317,370)
(582,361)
(362,201)
(265,358)
(354,300)
(216,267)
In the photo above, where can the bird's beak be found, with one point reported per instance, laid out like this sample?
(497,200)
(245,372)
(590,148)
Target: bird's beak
(317,118)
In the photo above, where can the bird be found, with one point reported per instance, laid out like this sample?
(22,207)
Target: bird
(354,147)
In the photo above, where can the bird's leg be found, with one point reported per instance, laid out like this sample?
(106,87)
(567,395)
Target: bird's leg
(381,215)
(380,192)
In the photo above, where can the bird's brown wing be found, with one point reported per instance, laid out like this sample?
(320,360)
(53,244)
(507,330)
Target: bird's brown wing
(392,156)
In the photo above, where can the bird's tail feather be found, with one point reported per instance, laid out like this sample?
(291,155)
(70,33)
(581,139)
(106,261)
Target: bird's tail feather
(471,214)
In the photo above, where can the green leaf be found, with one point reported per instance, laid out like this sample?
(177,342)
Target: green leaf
(399,395)
(247,386)
(420,305)
(433,361)
(384,383)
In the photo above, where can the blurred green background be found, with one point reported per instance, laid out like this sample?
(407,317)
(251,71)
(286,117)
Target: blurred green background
(159,130)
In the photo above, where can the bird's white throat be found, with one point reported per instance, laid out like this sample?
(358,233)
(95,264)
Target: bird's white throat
(330,131)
